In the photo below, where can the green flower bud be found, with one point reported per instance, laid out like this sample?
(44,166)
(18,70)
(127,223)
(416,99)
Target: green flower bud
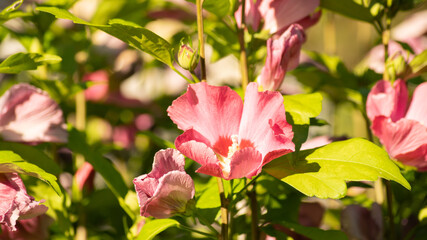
(187,57)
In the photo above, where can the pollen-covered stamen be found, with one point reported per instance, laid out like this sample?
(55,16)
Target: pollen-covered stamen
(225,161)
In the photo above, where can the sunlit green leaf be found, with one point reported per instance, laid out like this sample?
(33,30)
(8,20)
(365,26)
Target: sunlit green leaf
(26,61)
(130,33)
(154,227)
(348,8)
(322,172)
(302,107)
(11,162)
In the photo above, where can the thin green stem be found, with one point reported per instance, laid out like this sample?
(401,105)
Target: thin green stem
(196,231)
(224,210)
(254,212)
(182,75)
(201,39)
(390,209)
(203,220)
(243,57)
(248,184)
(195,78)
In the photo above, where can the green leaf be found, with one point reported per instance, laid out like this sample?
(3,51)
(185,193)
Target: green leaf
(302,107)
(157,140)
(11,162)
(12,7)
(217,7)
(114,180)
(154,227)
(26,61)
(418,65)
(131,33)
(315,233)
(322,172)
(32,155)
(348,8)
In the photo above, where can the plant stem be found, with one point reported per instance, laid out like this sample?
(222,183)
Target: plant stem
(201,40)
(182,75)
(224,210)
(390,209)
(243,57)
(254,212)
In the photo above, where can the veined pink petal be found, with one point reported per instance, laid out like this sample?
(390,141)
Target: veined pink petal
(405,140)
(252,14)
(165,161)
(193,145)
(418,109)
(213,111)
(36,228)
(310,20)
(388,101)
(28,114)
(15,203)
(264,123)
(278,14)
(145,188)
(246,162)
(174,190)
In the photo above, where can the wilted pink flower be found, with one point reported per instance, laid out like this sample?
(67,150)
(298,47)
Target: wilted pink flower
(99,90)
(15,203)
(282,55)
(28,114)
(84,176)
(36,228)
(166,190)
(403,133)
(229,138)
(279,14)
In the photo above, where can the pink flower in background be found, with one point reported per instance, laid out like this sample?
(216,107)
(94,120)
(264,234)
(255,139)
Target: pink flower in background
(28,114)
(279,14)
(124,135)
(282,55)
(413,31)
(84,176)
(99,90)
(403,133)
(15,203)
(36,228)
(229,138)
(166,190)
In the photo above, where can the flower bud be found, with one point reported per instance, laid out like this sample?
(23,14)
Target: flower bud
(187,57)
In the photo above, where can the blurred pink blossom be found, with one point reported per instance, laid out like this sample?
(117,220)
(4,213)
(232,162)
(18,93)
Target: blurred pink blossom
(375,57)
(84,176)
(282,55)
(99,90)
(28,114)
(279,14)
(316,142)
(403,133)
(229,138)
(36,228)
(167,189)
(361,223)
(413,31)
(15,203)
(124,135)
(144,122)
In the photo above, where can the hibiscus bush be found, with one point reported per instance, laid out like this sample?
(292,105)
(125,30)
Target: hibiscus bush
(213,119)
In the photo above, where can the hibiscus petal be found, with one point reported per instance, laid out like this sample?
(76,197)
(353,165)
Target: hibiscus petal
(28,114)
(405,140)
(213,111)
(195,147)
(174,190)
(418,109)
(145,188)
(245,163)
(278,14)
(264,123)
(165,161)
(388,101)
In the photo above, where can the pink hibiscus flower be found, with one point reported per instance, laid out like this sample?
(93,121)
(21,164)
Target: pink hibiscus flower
(15,203)
(166,190)
(229,138)
(28,114)
(403,133)
(279,14)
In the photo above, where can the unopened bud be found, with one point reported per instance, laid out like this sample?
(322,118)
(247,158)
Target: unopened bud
(187,57)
